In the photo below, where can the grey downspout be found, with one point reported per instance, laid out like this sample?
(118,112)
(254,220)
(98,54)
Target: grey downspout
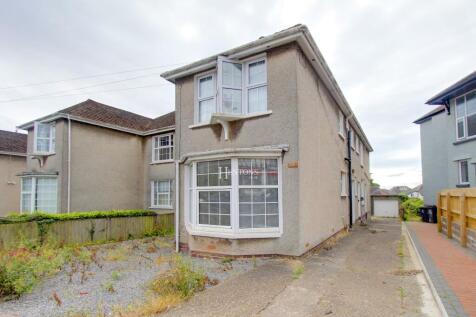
(349,175)
(69,164)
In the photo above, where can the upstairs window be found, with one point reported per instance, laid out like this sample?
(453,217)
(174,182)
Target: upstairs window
(240,88)
(163,148)
(341,123)
(466,116)
(45,138)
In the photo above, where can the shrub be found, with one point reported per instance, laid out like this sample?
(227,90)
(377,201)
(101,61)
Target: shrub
(181,279)
(48,218)
(411,207)
(22,268)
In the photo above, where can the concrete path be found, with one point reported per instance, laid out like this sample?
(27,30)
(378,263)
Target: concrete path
(368,273)
(452,268)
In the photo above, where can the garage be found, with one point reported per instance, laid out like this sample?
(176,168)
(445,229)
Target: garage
(385,206)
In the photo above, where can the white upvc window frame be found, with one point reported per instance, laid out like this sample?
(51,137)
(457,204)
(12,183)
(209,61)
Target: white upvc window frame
(199,98)
(233,231)
(460,174)
(33,193)
(51,139)
(153,194)
(361,154)
(343,184)
(463,118)
(171,147)
(217,77)
(341,124)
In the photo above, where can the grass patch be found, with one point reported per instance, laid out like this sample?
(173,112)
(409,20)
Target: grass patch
(176,285)
(22,268)
(298,269)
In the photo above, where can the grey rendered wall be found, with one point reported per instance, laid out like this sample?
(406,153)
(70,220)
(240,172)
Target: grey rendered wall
(10,184)
(458,151)
(106,169)
(55,163)
(278,128)
(322,154)
(156,171)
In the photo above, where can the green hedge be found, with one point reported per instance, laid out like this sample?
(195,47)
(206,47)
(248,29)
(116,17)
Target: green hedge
(47,217)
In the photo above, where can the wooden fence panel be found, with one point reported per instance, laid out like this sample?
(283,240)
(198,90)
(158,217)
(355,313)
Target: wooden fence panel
(457,215)
(84,230)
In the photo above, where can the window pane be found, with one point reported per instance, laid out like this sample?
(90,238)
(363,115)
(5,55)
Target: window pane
(244,171)
(26,184)
(26,202)
(214,173)
(43,145)
(464,171)
(164,140)
(214,208)
(258,194)
(460,107)
(43,130)
(257,99)
(257,72)
(471,102)
(205,110)
(232,75)
(231,100)
(164,187)
(164,154)
(271,172)
(164,200)
(272,195)
(257,176)
(205,87)
(460,128)
(471,125)
(46,194)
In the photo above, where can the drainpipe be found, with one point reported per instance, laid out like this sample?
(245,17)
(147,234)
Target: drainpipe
(69,164)
(177,206)
(349,171)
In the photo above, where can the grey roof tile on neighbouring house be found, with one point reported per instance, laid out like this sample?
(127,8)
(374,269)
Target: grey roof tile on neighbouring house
(381,192)
(94,112)
(13,142)
(430,114)
(461,86)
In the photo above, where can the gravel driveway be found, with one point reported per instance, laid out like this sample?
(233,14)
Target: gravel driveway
(117,278)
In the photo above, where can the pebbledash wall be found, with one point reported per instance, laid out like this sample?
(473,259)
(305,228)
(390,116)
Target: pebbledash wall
(305,117)
(10,183)
(110,169)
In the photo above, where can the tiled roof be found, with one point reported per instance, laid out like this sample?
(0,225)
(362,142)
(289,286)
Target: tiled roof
(13,142)
(166,120)
(100,112)
(430,114)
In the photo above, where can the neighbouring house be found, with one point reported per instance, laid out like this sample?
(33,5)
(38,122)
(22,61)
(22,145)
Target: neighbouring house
(416,192)
(397,190)
(262,136)
(448,139)
(12,162)
(92,156)
(385,203)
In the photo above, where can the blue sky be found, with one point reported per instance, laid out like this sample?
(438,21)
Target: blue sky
(388,57)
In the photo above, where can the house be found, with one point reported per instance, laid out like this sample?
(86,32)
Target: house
(385,203)
(416,192)
(448,139)
(397,190)
(12,162)
(92,156)
(262,138)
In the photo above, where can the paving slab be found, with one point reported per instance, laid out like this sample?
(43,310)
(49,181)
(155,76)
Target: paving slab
(451,268)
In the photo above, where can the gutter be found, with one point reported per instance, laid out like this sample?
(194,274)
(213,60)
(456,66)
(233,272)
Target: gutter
(348,159)
(13,153)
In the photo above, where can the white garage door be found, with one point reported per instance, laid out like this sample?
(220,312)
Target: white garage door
(386,208)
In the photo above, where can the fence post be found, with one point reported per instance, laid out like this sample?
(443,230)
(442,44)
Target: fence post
(449,216)
(438,212)
(463,206)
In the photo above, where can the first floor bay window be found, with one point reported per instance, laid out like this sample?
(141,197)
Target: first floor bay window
(39,194)
(238,197)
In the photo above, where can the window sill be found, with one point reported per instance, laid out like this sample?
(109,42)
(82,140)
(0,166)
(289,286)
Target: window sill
(43,153)
(161,207)
(343,196)
(233,235)
(235,117)
(464,185)
(461,141)
(161,162)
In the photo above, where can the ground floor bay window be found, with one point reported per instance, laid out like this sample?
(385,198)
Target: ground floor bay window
(39,193)
(236,197)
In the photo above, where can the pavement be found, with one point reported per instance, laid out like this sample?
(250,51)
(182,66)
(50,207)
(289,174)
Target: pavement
(370,272)
(451,268)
